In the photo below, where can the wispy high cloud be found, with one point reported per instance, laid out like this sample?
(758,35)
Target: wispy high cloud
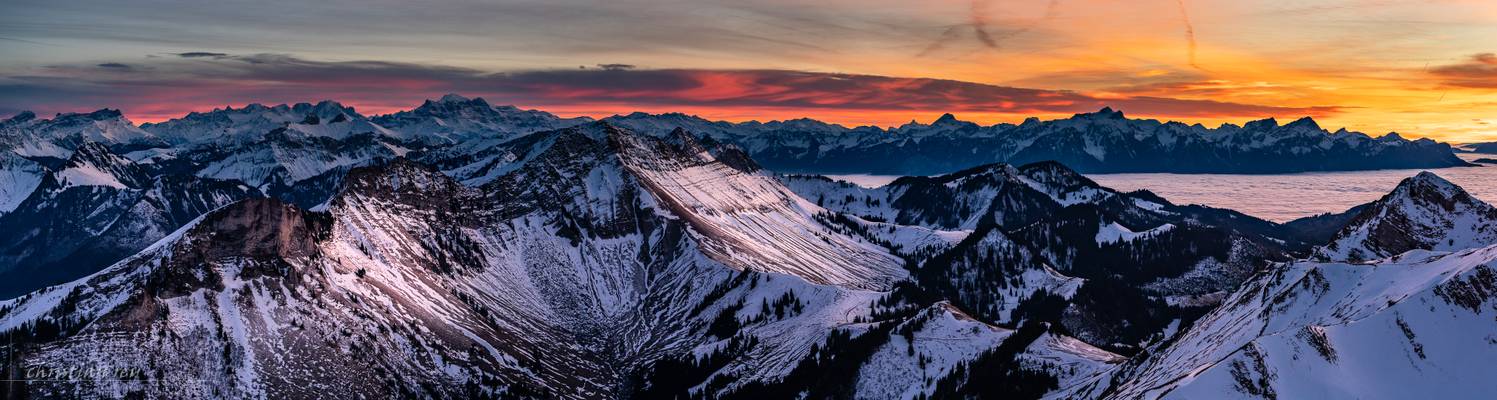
(173,87)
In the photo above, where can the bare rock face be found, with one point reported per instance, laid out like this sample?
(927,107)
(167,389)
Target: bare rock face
(258,235)
(260,228)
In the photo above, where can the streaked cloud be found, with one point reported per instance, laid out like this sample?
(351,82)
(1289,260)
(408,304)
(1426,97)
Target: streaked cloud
(200,54)
(1480,71)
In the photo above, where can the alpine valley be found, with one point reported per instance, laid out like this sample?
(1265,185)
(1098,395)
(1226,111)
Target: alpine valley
(464,250)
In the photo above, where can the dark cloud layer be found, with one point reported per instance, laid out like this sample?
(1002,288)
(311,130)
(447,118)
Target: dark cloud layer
(173,87)
(616,67)
(200,54)
(1480,71)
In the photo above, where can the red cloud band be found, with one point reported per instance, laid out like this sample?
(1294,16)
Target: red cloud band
(173,87)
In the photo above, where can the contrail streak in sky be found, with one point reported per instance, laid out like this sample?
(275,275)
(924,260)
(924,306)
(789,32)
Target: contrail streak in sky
(980,24)
(1190,34)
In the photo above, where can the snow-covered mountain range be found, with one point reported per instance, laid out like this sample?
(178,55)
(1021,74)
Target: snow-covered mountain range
(463,250)
(1104,141)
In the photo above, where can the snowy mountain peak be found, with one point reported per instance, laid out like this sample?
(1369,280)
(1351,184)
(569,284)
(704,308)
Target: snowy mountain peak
(1304,123)
(945,119)
(92,164)
(1110,113)
(98,115)
(660,124)
(1003,172)
(1261,125)
(89,152)
(803,125)
(1066,184)
(451,102)
(682,139)
(453,98)
(1424,212)
(1104,113)
(21,117)
(328,111)
(455,118)
(1426,180)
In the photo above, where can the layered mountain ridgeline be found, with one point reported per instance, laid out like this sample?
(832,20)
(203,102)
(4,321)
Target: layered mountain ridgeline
(297,152)
(1101,142)
(331,254)
(1104,141)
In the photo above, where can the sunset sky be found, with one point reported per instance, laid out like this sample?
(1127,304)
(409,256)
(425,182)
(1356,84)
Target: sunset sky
(1422,68)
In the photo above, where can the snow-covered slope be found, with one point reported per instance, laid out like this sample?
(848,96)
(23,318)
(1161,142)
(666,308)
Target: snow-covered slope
(18,178)
(92,164)
(1423,212)
(1418,325)
(747,218)
(942,339)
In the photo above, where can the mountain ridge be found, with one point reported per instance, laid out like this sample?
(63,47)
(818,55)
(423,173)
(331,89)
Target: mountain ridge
(1422,212)
(1104,141)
